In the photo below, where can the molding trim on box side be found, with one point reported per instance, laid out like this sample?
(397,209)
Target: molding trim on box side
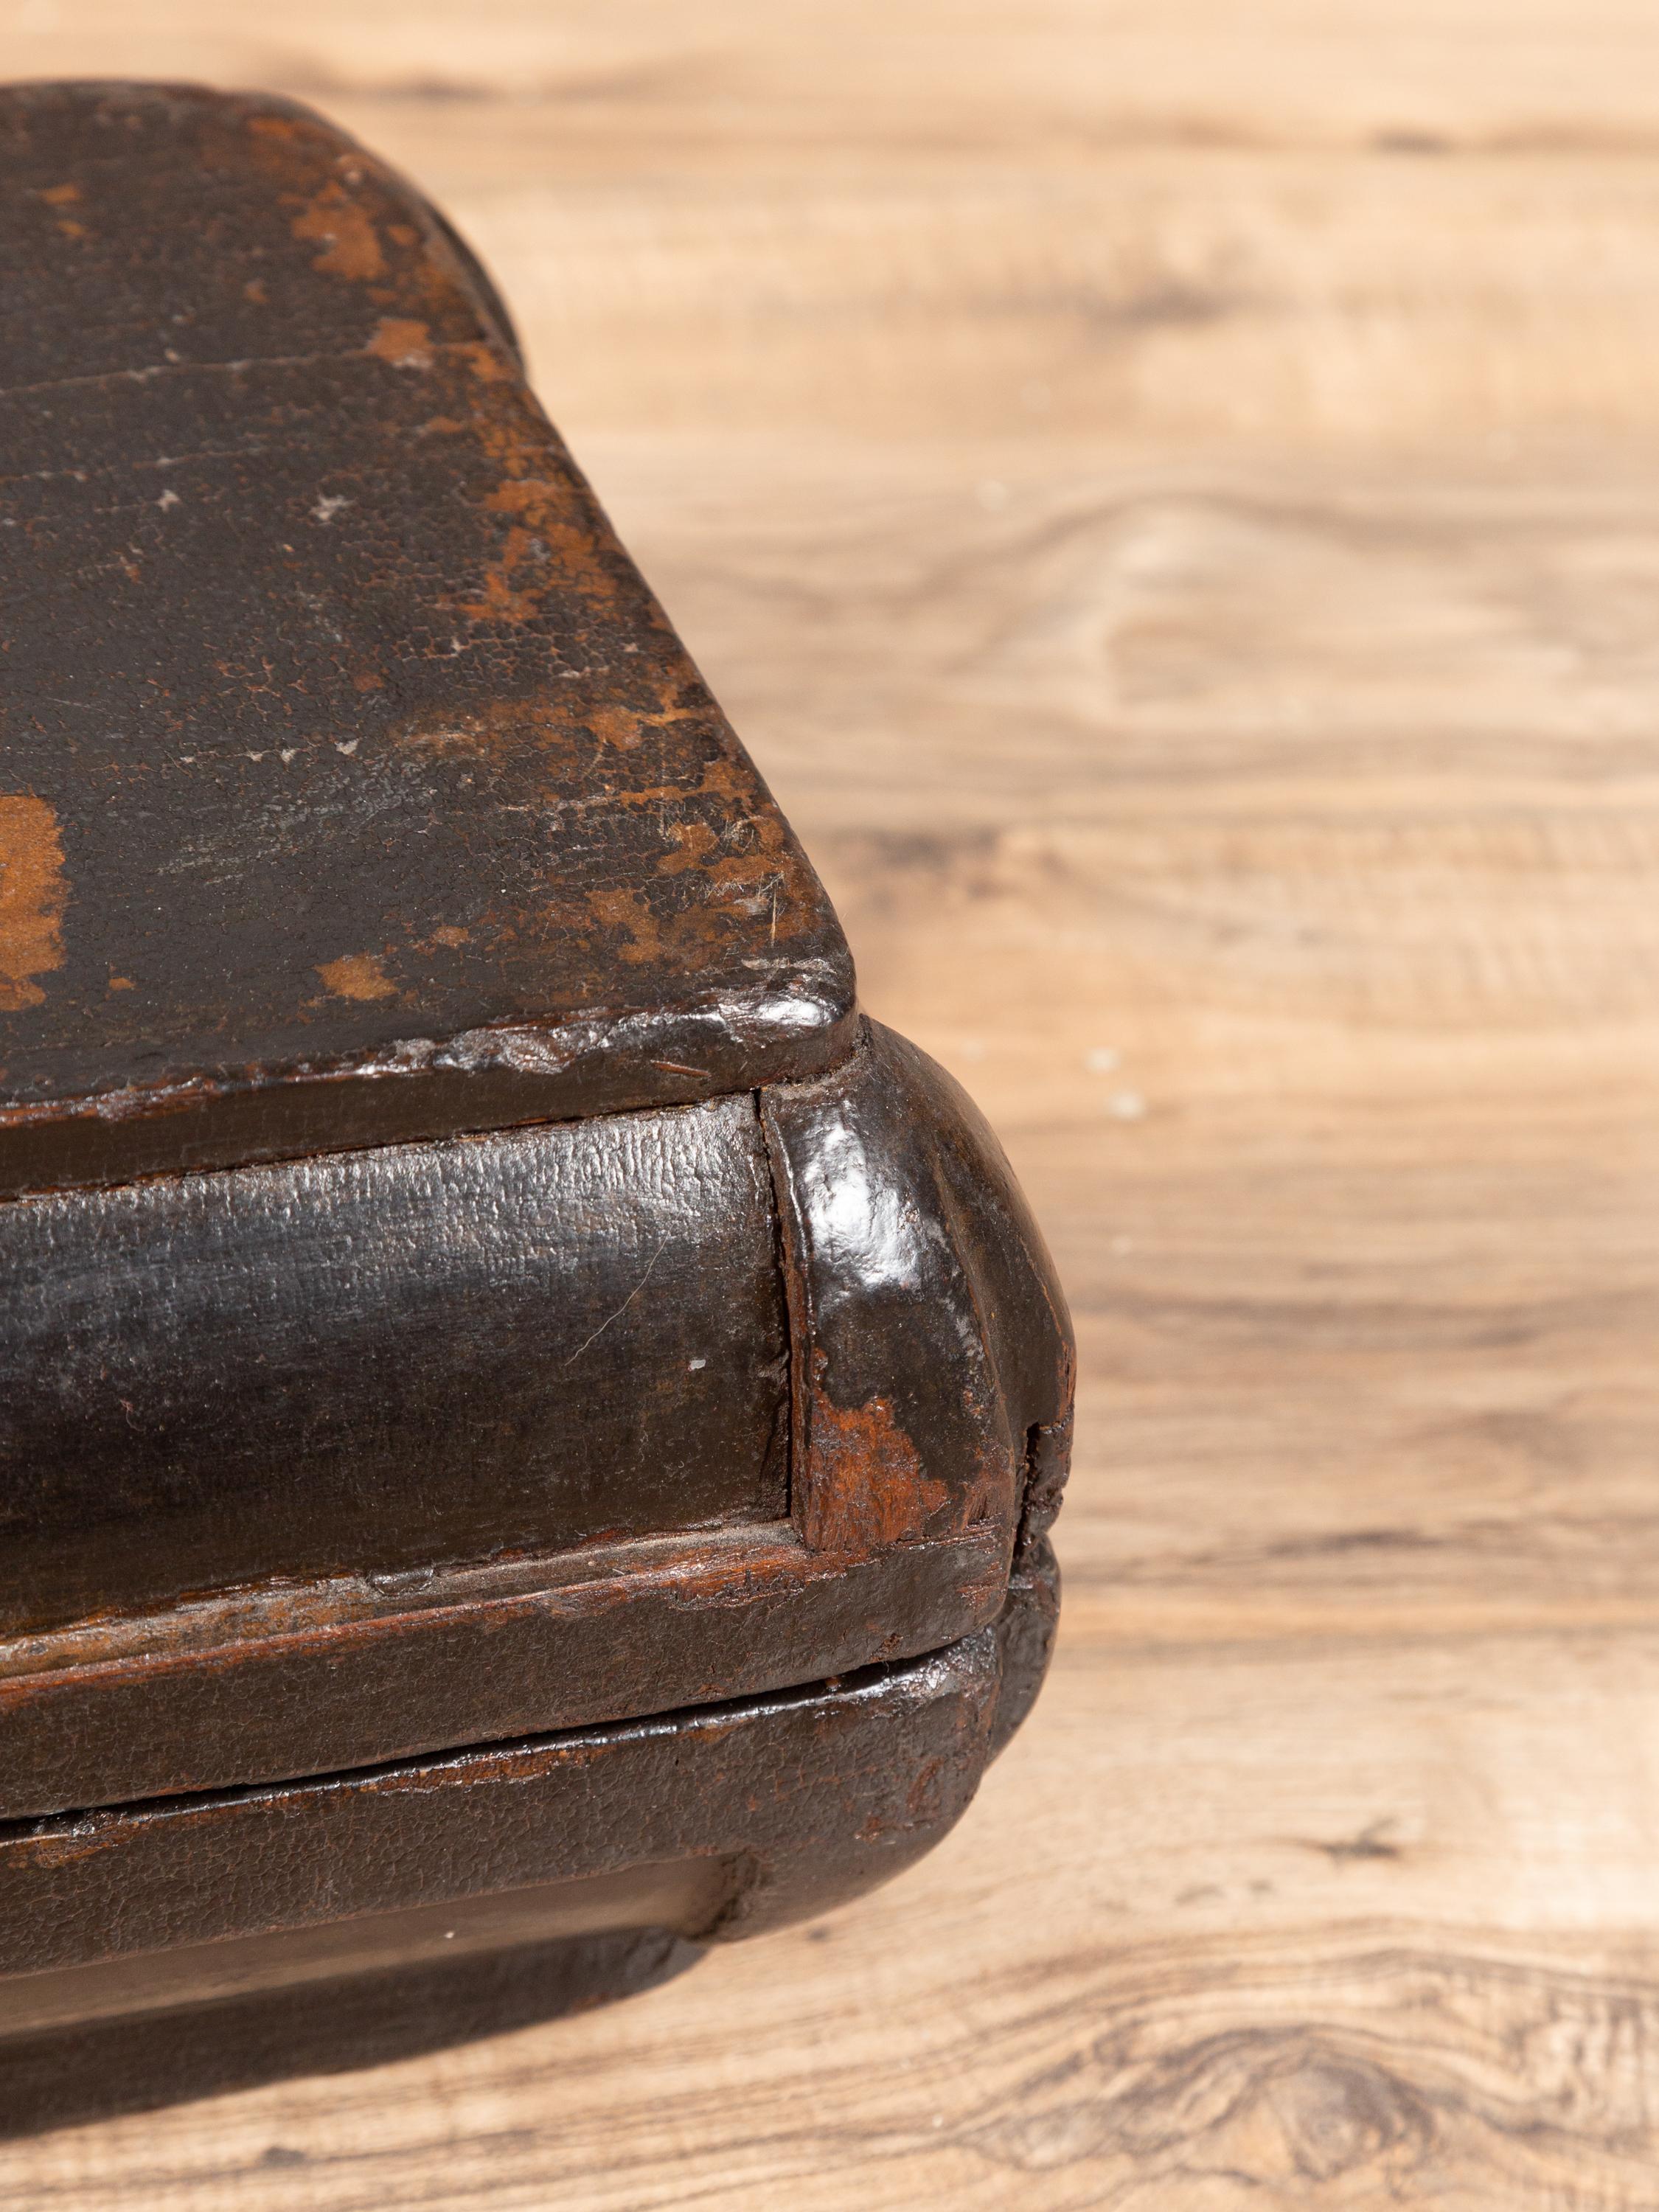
(813,1795)
(519,1646)
(930,1386)
(929,1336)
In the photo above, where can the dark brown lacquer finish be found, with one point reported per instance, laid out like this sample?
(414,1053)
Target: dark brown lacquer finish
(390,1359)
(528,1430)
(355,787)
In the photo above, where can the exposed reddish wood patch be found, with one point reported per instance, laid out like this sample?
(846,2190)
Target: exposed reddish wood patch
(487,363)
(358,976)
(33,892)
(403,342)
(625,726)
(334,219)
(547,538)
(64,196)
(617,725)
(867,1489)
(694,843)
(625,911)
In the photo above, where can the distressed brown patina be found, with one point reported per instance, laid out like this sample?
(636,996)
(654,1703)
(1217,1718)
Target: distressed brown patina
(524,1416)
(381,783)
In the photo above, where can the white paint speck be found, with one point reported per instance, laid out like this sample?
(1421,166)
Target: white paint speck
(287,754)
(348,747)
(1103,1060)
(328,505)
(256,755)
(695,1364)
(1125,1106)
(169,498)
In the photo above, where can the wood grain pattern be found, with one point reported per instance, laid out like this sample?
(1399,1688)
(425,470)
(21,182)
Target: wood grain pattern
(1167,495)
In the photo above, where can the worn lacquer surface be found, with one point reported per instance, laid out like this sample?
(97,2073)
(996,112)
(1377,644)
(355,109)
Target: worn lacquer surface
(352,784)
(317,1464)
(379,1362)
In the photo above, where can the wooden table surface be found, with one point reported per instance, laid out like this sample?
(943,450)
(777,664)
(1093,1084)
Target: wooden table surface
(1169,492)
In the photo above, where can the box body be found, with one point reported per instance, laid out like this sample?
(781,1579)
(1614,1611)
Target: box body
(527,1420)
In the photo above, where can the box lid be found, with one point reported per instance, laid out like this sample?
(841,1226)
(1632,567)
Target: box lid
(353,785)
